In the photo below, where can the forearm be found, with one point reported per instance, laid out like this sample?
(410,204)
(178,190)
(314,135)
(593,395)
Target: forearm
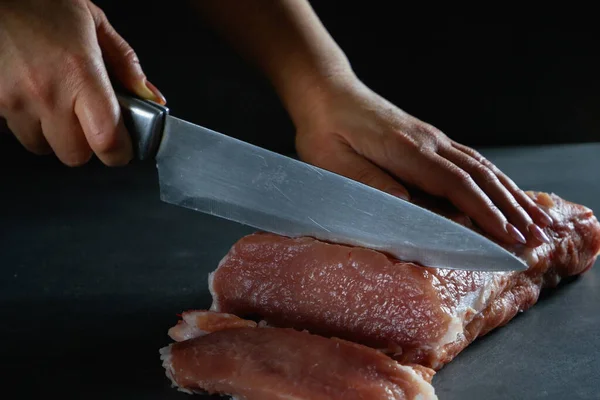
(287,41)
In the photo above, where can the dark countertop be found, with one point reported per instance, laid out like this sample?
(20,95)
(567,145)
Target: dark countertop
(94,269)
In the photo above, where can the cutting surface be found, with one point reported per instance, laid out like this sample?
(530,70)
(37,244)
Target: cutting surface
(94,269)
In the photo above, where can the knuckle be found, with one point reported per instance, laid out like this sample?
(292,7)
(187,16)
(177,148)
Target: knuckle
(490,165)
(479,157)
(509,185)
(485,175)
(521,196)
(129,54)
(514,203)
(437,137)
(519,208)
(77,65)
(470,151)
(435,132)
(39,87)
(461,178)
(492,211)
(105,141)
(79,71)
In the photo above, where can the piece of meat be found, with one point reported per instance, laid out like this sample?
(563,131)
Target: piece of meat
(223,354)
(416,314)
(199,323)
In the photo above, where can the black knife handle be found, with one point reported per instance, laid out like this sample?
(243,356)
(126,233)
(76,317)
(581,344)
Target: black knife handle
(145,121)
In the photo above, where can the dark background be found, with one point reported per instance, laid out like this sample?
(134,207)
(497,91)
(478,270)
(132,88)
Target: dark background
(94,267)
(496,77)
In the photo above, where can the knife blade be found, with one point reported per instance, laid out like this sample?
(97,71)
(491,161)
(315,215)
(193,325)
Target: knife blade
(207,171)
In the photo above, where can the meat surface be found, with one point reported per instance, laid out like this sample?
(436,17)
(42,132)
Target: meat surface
(416,314)
(199,323)
(222,354)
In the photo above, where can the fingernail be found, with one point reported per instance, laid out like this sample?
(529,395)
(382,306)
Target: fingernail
(399,193)
(148,91)
(515,234)
(546,220)
(538,233)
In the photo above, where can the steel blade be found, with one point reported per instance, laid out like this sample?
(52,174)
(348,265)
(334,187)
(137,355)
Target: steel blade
(216,174)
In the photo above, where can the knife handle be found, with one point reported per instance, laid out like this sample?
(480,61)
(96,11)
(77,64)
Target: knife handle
(145,122)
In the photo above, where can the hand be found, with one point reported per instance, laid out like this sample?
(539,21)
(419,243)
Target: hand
(55,91)
(352,131)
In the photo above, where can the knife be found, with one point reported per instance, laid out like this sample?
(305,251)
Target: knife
(207,171)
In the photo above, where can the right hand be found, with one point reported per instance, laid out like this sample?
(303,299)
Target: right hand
(55,91)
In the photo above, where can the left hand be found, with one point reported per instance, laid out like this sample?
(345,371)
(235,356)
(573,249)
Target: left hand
(354,132)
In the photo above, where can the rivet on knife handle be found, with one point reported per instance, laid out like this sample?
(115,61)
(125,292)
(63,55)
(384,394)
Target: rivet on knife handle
(145,122)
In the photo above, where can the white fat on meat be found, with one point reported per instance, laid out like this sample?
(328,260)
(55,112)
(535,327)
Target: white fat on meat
(211,277)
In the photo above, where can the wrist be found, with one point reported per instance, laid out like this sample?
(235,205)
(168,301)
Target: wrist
(305,89)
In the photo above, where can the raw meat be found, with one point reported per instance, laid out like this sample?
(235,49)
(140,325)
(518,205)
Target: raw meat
(199,323)
(416,314)
(220,353)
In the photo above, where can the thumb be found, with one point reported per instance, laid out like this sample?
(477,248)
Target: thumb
(354,166)
(123,61)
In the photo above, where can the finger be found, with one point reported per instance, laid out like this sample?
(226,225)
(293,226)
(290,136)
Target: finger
(64,134)
(354,166)
(123,61)
(440,177)
(99,115)
(28,131)
(491,185)
(537,214)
